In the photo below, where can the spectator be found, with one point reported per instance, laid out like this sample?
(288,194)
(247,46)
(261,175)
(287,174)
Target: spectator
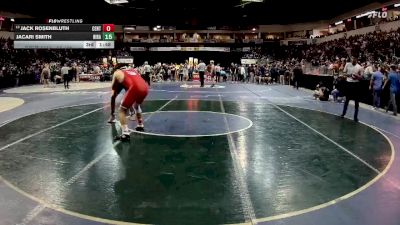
(394,82)
(321,92)
(297,74)
(282,76)
(202,69)
(65,75)
(352,86)
(45,76)
(181,72)
(242,73)
(218,73)
(368,71)
(72,73)
(234,72)
(147,71)
(185,71)
(376,87)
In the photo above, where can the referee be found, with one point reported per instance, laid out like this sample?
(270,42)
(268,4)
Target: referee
(353,76)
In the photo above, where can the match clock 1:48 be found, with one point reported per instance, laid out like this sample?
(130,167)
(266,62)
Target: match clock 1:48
(108,36)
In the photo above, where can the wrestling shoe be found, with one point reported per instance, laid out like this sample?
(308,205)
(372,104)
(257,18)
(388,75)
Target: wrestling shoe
(123,137)
(140,128)
(112,120)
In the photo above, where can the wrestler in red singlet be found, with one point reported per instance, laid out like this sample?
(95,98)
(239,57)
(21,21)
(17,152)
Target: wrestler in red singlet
(136,86)
(136,91)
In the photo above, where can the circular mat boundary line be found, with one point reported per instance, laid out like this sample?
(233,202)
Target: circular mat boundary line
(19,102)
(53,206)
(196,135)
(344,197)
(258,220)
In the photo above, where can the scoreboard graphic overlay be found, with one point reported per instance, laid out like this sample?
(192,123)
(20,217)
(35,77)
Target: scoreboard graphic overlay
(64,36)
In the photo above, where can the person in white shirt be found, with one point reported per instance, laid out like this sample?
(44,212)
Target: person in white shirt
(368,71)
(202,69)
(242,74)
(64,73)
(185,72)
(211,71)
(96,69)
(147,71)
(353,73)
(218,72)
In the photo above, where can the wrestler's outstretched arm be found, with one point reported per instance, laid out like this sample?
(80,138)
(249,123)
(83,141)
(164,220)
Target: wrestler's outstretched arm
(116,88)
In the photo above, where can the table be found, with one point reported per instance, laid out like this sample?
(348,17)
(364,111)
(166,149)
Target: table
(90,77)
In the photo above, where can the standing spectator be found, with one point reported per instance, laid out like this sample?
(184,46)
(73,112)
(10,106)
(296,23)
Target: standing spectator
(274,73)
(242,73)
(181,72)
(376,87)
(297,74)
(79,70)
(352,86)
(282,75)
(73,72)
(37,74)
(218,73)
(186,71)
(234,72)
(147,71)
(65,75)
(173,69)
(202,69)
(369,71)
(287,75)
(96,69)
(46,75)
(54,69)
(16,74)
(177,67)
(394,80)
(258,75)
(190,72)
(251,72)
(323,69)
(211,71)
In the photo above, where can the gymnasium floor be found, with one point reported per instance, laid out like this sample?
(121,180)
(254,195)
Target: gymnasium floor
(235,154)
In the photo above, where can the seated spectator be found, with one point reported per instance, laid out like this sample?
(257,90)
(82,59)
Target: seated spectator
(321,92)
(338,86)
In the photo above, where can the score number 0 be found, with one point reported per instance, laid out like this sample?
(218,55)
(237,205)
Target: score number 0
(108,27)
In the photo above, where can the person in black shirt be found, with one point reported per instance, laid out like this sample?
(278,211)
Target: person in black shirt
(324,96)
(274,73)
(282,71)
(72,73)
(234,72)
(297,74)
